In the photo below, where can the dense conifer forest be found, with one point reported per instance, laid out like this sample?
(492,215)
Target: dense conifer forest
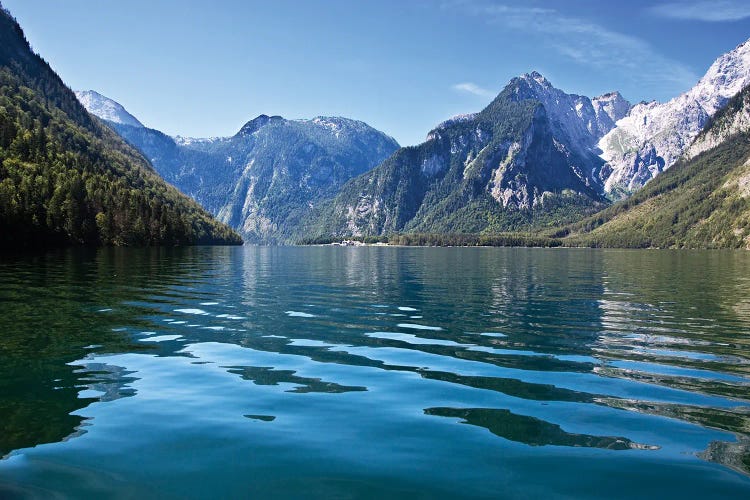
(66,179)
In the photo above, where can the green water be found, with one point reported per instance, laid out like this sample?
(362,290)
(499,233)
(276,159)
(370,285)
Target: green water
(375,372)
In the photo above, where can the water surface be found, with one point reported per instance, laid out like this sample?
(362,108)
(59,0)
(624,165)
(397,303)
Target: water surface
(372,372)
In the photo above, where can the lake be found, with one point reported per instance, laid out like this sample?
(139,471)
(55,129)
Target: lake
(325,372)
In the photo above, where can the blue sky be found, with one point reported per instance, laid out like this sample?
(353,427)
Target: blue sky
(198,68)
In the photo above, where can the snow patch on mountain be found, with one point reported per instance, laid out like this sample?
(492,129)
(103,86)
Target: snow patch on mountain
(609,108)
(105,108)
(723,127)
(193,141)
(653,135)
(333,125)
(584,120)
(339,126)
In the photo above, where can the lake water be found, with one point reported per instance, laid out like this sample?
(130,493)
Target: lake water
(375,372)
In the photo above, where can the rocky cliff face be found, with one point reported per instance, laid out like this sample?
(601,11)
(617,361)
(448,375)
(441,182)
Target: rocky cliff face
(531,154)
(703,201)
(653,136)
(263,180)
(732,120)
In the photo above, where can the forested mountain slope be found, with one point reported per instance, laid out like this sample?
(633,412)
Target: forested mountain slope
(65,178)
(703,201)
(529,159)
(263,180)
(653,135)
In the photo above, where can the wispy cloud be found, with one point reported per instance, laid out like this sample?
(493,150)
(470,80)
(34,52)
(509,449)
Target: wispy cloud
(474,89)
(584,42)
(704,10)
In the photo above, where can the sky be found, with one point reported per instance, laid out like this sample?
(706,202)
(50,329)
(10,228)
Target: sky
(203,69)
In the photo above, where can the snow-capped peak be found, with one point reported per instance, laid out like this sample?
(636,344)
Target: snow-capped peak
(105,108)
(609,108)
(654,135)
(584,120)
(463,117)
(192,141)
(613,99)
(331,124)
(460,118)
(728,75)
(338,125)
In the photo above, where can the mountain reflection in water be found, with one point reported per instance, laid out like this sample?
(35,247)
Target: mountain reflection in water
(358,369)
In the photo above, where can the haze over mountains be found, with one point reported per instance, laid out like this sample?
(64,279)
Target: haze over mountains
(65,179)
(535,157)
(266,178)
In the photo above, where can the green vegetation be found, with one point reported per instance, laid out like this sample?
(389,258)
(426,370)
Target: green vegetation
(702,203)
(453,181)
(264,180)
(66,179)
(448,240)
(699,203)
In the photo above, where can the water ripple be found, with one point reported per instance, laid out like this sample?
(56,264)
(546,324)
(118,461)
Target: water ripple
(489,362)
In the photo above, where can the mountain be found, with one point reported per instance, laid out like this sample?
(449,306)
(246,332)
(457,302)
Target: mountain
(105,108)
(528,159)
(65,178)
(653,136)
(703,201)
(733,119)
(263,180)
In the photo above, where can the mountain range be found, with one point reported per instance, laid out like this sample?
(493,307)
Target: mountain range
(263,180)
(535,156)
(653,136)
(66,179)
(527,159)
(535,159)
(299,199)
(703,201)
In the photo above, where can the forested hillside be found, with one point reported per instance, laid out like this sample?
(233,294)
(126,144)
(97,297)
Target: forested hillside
(703,202)
(65,178)
(266,178)
(524,162)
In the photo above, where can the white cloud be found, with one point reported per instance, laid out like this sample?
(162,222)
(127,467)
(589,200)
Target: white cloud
(704,10)
(473,88)
(585,43)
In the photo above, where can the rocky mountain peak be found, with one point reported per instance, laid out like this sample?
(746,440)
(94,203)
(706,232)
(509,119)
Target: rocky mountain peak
(726,77)
(653,136)
(257,123)
(537,78)
(105,108)
(582,120)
